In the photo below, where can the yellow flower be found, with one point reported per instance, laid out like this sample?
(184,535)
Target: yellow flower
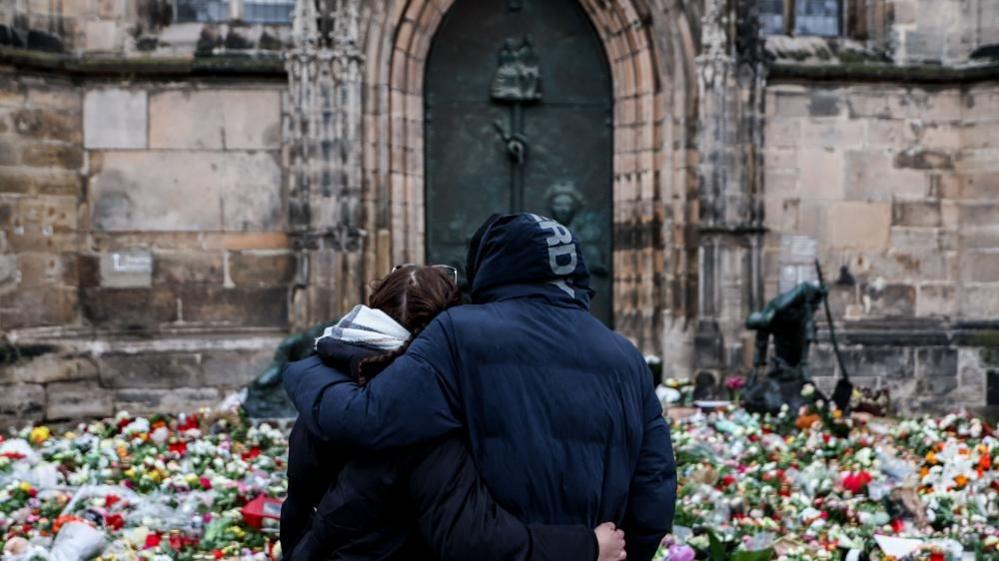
(237,531)
(40,434)
(24,486)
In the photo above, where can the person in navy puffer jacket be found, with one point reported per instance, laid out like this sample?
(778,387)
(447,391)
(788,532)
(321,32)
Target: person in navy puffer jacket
(561,416)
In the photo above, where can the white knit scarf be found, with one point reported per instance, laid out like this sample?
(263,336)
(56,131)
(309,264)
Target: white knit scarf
(368,327)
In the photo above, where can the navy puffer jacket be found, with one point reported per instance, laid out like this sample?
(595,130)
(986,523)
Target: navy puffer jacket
(414,504)
(562,419)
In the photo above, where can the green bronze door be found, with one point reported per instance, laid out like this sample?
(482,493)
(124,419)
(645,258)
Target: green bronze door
(519,118)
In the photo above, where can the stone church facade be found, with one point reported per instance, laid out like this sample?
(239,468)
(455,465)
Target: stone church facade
(183,182)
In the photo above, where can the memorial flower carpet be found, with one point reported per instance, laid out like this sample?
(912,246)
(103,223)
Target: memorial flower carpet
(789,488)
(820,486)
(165,487)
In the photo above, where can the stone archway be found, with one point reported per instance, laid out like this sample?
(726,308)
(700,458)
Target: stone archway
(650,50)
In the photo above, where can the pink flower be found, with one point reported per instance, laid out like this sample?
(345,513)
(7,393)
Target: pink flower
(678,552)
(735,383)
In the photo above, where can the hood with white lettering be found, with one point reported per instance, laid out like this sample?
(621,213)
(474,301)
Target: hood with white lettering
(521,255)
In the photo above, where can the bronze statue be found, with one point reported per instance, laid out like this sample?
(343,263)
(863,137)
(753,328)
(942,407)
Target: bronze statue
(518,77)
(265,397)
(789,319)
(566,205)
(564,201)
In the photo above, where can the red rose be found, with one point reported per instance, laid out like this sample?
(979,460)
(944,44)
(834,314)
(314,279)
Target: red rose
(855,482)
(114,521)
(152,540)
(189,422)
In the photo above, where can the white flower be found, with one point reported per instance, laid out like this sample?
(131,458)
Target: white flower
(160,435)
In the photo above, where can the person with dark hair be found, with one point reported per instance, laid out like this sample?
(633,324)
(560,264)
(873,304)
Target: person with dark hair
(560,414)
(424,502)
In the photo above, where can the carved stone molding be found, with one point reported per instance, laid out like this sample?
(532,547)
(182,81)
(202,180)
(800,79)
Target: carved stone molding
(730,112)
(323,147)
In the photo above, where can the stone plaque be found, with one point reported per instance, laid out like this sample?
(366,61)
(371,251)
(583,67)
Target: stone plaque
(127,269)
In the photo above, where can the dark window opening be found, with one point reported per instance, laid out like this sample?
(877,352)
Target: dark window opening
(268,11)
(252,11)
(772,17)
(201,10)
(801,17)
(817,17)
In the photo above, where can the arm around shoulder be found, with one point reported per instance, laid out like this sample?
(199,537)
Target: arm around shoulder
(405,404)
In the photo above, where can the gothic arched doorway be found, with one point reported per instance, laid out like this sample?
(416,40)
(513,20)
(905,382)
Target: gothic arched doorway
(519,108)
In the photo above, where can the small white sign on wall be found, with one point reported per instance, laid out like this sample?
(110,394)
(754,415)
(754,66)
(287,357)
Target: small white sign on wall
(127,269)
(134,262)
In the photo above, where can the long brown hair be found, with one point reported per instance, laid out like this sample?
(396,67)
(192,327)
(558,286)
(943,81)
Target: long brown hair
(412,295)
